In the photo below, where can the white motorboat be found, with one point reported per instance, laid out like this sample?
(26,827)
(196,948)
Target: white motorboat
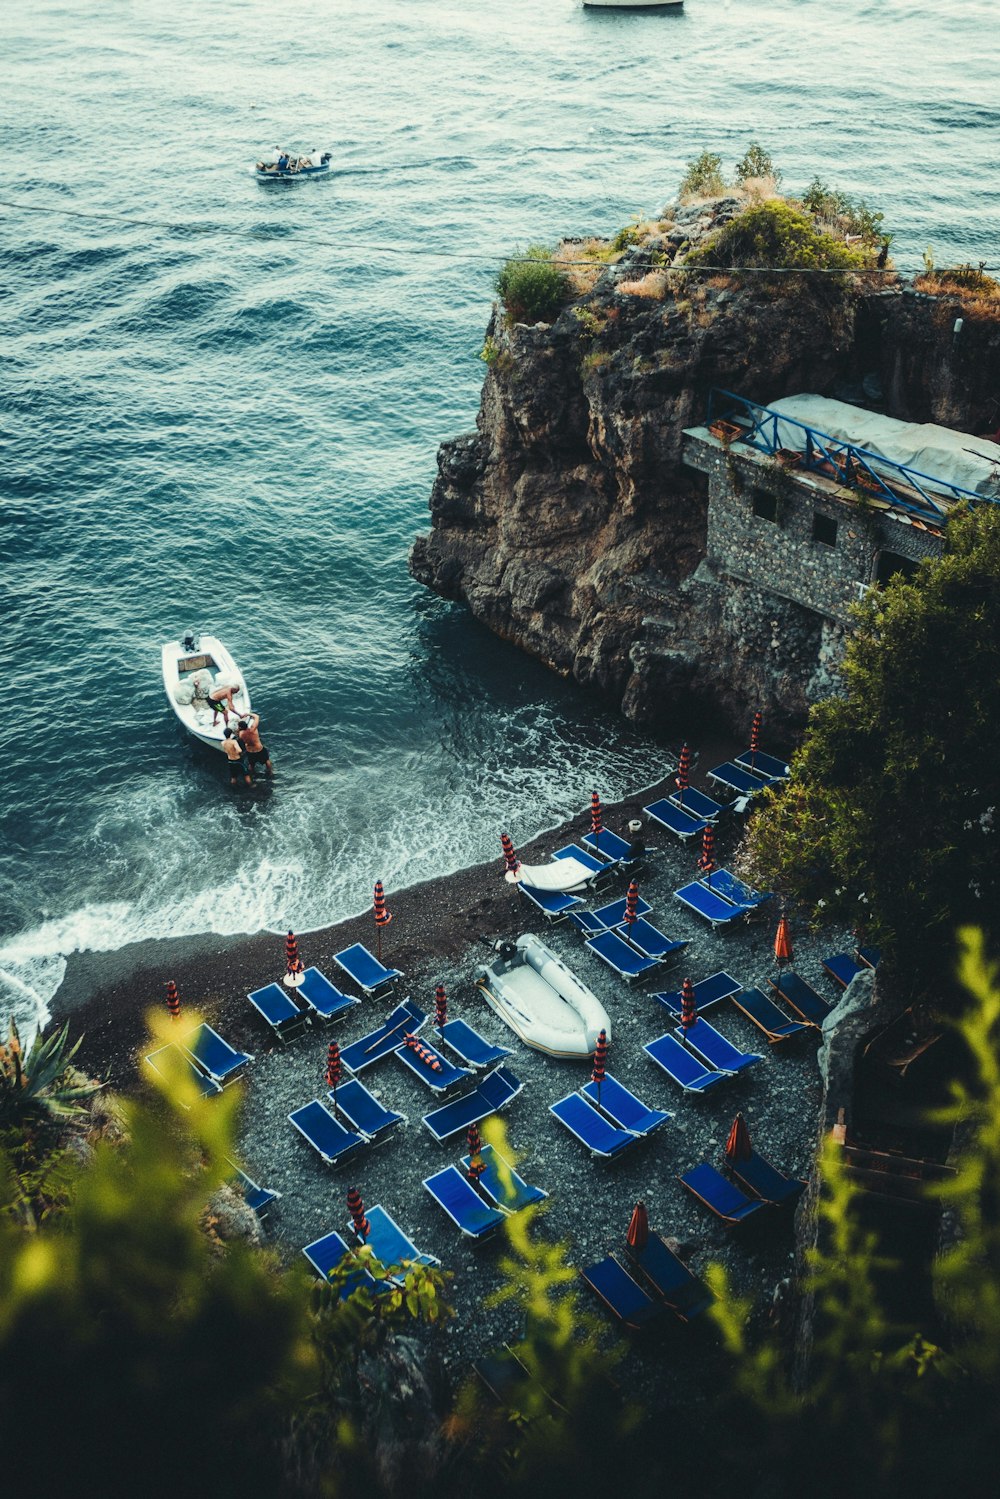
(192,667)
(541,1000)
(288,168)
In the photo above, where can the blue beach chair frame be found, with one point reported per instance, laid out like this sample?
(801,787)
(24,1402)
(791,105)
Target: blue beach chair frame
(554,905)
(439,1080)
(842,968)
(613,914)
(325,1254)
(368,1114)
(330,1139)
(676,820)
(650,941)
(469,1046)
(388,1242)
(767,1016)
(325,1000)
(491,1095)
(593,1130)
(629,964)
(602,869)
(207,1086)
(686,1295)
(275,1005)
(380,1043)
(766,1181)
(258,1199)
(738,778)
(711,907)
(623,1296)
(612,848)
(714,1048)
(759,764)
(366,970)
(502,1183)
(681,1066)
(723,882)
(213,1055)
(622,1107)
(707,991)
(721,1196)
(802,998)
(476,1219)
(698,803)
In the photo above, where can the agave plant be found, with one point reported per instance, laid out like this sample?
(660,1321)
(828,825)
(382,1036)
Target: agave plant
(43,1081)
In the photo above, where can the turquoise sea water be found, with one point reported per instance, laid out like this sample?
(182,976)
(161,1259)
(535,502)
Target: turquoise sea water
(221,408)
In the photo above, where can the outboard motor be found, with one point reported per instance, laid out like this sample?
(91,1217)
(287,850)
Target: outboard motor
(191,641)
(507,951)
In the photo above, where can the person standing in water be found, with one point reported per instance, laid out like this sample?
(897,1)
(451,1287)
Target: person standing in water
(257,751)
(237,757)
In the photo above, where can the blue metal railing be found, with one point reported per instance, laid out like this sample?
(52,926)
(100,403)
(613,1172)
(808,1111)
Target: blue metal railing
(835,459)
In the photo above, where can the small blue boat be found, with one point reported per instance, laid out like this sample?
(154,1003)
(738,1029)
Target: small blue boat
(289,168)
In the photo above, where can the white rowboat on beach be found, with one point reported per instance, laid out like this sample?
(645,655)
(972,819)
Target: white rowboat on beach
(541,1000)
(191,668)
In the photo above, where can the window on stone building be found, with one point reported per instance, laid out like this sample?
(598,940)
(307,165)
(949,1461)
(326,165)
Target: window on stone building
(889,564)
(824,529)
(765,504)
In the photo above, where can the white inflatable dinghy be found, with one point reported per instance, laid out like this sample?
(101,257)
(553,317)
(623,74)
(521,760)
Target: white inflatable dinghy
(541,1000)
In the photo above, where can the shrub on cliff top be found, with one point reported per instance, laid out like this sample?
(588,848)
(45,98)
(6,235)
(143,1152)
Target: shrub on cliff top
(774,234)
(532,287)
(703,178)
(971,283)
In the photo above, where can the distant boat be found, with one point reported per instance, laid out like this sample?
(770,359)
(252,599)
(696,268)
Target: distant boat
(201,661)
(288,168)
(632,4)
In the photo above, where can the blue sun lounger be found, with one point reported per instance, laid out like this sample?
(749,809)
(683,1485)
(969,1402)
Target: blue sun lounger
(766,1181)
(324,1255)
(738,778)
(170,1062)
(553,904)
(494,1093)
(275,1005)
(678,1063)
(622,1107)
(366,970)
(598,1134)
(379,1043)
(842,967)
(766,1015)
(707,992)
(324,999)
(721,1196)
(258,1199)
(698,803)
(501,1182)
(871,957)
(713,1046)
(213,1055)
(723,882)
(364,1111)
(684,1293)
(802,998)
(387,1241)
(611,847)
(767,766)
(330,1139)
(650,940)
(440,1078)
(601,869)
(613,914)
(706,903)
(675,819)
(470,1046)
(625,961)
(622,1296)
(463,1204)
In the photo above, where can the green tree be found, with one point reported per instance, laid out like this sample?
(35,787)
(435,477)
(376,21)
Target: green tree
(756,163)
(532,288)
(703,177)
(891,818)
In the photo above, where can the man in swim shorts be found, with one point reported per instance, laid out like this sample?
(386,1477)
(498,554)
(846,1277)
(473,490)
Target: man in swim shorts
(220,700)
(236,756)
(256,750)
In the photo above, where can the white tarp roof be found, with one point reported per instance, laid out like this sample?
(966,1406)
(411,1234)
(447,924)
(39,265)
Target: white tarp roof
(942,454)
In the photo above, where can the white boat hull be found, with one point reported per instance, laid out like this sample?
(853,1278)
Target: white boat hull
(632,4)
(543,1002)
(180,665)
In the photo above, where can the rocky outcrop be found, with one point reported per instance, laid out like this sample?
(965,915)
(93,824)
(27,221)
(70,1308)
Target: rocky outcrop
(568,523)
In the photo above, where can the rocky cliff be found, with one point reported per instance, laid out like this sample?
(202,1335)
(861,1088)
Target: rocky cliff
(567,521)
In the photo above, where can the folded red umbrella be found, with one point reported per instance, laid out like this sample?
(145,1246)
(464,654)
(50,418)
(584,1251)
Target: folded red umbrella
(637,1236)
